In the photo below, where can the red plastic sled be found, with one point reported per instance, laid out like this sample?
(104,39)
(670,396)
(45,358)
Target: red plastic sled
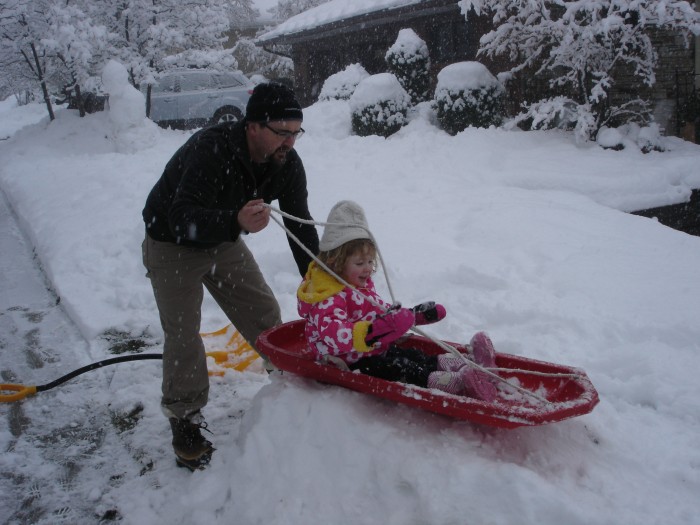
(561,392)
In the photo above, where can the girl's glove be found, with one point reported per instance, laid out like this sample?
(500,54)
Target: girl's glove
(428,313)
(388,328)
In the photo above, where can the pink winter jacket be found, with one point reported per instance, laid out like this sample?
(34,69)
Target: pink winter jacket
(337,317)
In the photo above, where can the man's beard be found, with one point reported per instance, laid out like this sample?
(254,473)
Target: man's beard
(279,156)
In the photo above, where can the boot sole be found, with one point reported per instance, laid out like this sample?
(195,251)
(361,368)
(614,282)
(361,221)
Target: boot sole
(483,351)
(199,463)
(207,448)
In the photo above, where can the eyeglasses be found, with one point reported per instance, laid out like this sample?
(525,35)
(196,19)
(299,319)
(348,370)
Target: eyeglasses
(284,133)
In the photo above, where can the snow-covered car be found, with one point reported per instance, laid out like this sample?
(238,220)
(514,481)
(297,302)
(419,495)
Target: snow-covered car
(192,98)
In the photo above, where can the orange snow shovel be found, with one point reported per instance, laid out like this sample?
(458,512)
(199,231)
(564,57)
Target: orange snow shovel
(228,349)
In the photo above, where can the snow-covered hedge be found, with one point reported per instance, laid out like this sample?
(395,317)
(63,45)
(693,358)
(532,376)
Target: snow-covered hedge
(632,135)
(467,94)
(409,60)
(341,85)
(379,106)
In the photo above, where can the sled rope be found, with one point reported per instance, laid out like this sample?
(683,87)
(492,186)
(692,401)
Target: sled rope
(395,304)
(320,263)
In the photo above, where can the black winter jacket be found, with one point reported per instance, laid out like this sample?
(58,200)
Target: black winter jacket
(210,178)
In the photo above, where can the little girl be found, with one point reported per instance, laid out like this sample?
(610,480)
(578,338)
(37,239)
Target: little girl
(344,322)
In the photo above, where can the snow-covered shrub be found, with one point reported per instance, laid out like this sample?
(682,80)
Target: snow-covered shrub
(467,94)
(379,106)
(649,137)
(564,113)
(646,138)
(409,60)
(341,85)
(557,112)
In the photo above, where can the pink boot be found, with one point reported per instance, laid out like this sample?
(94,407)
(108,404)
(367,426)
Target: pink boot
(450,362)
(482,350)
(477,384)
(449,382)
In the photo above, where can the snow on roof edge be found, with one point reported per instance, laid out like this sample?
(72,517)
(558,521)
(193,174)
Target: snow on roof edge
(330,12)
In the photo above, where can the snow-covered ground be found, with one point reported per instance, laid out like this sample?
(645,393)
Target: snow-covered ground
(524,235)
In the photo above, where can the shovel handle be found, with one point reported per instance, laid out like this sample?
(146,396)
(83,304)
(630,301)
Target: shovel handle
(22,391)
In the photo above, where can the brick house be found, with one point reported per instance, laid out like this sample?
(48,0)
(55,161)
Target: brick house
(324,40)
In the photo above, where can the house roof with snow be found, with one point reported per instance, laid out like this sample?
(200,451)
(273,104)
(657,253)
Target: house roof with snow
(324,40)
(338,13)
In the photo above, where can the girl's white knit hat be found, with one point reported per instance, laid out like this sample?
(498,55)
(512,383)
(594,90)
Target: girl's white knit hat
(348,222)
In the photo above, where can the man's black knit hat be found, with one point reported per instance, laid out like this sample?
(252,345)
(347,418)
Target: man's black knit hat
(273,101)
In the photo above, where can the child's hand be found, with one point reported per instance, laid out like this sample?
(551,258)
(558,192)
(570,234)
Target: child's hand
(388,328)
(428,313)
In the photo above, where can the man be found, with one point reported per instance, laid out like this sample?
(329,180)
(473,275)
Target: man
(210,194)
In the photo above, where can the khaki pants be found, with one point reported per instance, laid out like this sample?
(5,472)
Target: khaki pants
(234,280)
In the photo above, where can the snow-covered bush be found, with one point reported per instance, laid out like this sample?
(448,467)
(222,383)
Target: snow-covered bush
(379,106)
(557,112)
(646,138)
(467,94)
(564,113)
(341,85)
(409,60)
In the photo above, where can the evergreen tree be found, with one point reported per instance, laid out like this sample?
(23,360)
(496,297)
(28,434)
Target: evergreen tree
(467,94)
(408,59)
(379,106)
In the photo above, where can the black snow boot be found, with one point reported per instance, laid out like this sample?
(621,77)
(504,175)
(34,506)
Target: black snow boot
(192,450)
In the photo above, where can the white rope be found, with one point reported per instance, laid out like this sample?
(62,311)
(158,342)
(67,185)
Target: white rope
(445,346)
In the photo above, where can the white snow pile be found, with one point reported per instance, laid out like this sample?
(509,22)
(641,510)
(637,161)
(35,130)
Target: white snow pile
(131,129)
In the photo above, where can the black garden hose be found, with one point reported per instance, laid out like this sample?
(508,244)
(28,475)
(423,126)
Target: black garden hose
(22,391)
